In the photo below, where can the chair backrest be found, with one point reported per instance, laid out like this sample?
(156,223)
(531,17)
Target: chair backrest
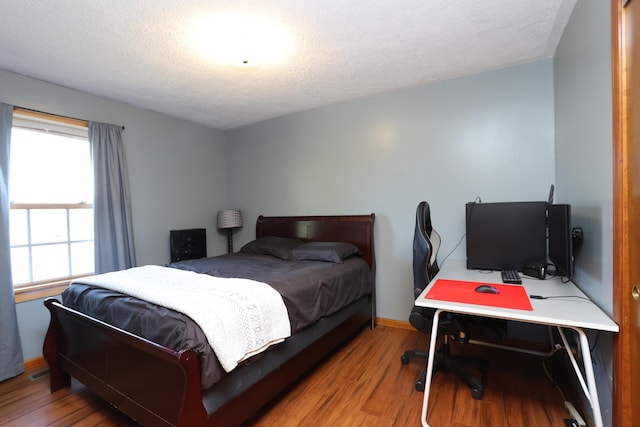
(426,243)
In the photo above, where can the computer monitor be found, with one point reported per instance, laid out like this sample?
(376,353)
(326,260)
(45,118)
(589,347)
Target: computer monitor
(561,240)
(505,236)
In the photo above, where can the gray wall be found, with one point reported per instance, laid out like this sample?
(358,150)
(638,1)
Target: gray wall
(489,135)
(584,160)
(177,171)
(584,156)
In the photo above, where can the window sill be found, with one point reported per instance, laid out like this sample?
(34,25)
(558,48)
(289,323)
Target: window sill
(42,290)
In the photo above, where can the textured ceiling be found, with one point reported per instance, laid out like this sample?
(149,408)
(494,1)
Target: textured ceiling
(143,53)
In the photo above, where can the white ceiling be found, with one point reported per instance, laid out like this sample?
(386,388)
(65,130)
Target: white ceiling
(142,52)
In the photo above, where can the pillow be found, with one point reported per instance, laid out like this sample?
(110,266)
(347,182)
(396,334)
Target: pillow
(324,251)
(279,247)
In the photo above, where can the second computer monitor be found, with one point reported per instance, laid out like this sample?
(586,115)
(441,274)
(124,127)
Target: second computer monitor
(560,240)
(505,236)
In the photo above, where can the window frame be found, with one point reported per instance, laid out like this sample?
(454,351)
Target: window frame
(58,125)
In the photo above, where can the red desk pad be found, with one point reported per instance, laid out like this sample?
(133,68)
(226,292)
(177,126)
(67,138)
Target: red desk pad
(510,296)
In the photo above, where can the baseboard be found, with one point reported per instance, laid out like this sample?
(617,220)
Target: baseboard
(36,362)
(394,323)
(509,342)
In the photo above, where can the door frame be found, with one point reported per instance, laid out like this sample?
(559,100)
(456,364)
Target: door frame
(623,365)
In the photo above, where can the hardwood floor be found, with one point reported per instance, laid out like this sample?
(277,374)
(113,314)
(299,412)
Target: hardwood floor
(362,384)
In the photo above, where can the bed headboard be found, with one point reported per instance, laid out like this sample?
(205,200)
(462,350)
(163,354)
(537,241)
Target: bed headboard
(355,229)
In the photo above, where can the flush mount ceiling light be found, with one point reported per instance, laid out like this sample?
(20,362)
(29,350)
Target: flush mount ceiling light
(241,40)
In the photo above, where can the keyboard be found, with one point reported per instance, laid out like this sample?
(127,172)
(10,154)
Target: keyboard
(511,276)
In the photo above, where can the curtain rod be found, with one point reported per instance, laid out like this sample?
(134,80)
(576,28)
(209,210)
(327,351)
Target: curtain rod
(30,110)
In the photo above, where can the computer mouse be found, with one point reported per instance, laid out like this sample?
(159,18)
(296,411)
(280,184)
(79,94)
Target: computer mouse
(486,289)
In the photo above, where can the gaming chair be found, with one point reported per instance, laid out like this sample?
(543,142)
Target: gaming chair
(426,243)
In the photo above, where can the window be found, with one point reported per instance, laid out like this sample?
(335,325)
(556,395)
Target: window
(51,212)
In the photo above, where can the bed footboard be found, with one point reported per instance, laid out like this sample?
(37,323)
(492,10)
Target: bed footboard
(151,383)
(158,386)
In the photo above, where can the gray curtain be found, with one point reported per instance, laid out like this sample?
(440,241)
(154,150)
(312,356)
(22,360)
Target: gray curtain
(112,204)
(11,359)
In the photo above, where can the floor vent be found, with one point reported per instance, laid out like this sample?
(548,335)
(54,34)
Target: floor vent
(38,375)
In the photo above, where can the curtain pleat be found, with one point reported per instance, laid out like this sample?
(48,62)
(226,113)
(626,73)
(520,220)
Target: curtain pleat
(114,249)
(11,358)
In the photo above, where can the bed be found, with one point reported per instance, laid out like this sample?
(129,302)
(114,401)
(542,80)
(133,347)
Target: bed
(156,384)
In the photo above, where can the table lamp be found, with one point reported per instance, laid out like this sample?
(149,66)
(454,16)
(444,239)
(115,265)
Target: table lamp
(228,219)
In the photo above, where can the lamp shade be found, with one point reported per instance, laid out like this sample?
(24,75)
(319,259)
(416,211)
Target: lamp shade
(229,218)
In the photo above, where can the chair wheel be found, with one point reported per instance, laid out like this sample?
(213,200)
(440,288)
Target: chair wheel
(419,385)
(477,393)
(404,359)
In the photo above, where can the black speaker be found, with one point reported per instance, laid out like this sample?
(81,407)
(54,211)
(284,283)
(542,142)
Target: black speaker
(535,269)
(188,244)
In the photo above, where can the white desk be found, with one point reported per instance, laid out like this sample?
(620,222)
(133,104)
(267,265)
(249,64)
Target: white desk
(569,312)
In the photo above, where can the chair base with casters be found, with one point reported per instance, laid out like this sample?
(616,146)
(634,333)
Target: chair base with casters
(445,361)
(457,329)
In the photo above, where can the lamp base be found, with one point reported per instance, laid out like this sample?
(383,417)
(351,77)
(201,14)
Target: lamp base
(230,240)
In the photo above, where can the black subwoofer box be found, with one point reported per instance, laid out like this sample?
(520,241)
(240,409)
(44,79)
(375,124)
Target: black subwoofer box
(188,244)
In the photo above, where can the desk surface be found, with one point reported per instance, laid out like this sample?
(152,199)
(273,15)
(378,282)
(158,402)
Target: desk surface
(569,310)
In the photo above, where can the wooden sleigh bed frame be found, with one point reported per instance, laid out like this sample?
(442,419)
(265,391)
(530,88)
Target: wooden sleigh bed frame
(155,385)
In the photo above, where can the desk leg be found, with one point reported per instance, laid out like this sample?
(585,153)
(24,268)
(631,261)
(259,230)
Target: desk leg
(432,354)
(592,391)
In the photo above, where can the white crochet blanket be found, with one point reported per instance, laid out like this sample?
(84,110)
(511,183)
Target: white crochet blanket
(240,317)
